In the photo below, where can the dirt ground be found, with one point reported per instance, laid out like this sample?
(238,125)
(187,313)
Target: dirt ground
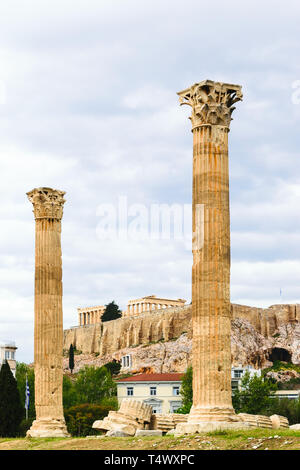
(257,439)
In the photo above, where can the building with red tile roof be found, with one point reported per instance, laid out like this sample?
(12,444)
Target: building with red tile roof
(161,391)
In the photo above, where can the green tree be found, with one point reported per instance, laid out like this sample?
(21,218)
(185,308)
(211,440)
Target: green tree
(70,397)
(254,395)
(71,358)
(11,408)
(93,384)
(22,370)
(111,312)
(186,391)
(113,367)
(285,407)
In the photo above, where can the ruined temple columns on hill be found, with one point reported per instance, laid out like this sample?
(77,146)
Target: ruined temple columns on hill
(212,106)
(48,322)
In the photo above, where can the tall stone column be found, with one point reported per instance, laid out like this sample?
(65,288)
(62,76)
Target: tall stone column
(212,106)
(48,324)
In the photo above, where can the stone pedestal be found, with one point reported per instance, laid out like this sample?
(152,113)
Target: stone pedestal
(212,105)
(48,326)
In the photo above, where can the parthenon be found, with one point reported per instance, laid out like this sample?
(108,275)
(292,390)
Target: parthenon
(151,302)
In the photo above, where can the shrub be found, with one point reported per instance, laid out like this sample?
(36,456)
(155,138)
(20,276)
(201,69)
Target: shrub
(113,367)
(24,426)
(80,418)
(285,407)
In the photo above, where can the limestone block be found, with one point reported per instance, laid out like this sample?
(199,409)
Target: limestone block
(295,427)
(166,422)
(256,421)
(118,433)
(135,408)
(279,422)
(180,418)
(102,425)
(109,424)
(264,422)
(208,426)
(121,418)
(149,432)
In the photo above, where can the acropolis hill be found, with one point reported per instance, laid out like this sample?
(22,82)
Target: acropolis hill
(161,340)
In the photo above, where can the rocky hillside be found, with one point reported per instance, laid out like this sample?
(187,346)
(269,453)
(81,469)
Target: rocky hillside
(161,342)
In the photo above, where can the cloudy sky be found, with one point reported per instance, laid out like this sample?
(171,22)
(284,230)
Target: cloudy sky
(88,105)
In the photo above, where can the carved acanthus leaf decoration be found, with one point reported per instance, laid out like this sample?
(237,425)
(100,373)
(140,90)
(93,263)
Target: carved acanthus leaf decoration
(211,102)
(47,203)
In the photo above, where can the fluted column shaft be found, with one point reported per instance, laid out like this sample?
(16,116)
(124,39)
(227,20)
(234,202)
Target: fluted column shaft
(211,273)
(48,347)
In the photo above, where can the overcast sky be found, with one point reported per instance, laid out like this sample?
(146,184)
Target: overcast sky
(88,105)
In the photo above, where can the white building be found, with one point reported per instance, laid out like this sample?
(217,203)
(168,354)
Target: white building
(8,352)
(161,391)
(291,394)
(237,374)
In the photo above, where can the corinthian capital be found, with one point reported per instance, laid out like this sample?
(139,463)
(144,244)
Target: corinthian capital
(211,102)
(47,203)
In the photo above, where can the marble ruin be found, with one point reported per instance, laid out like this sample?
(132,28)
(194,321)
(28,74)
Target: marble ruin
(48,322)
(132,416)
(149,303)
(90,315)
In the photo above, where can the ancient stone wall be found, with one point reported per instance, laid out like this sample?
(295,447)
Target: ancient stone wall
(108,337)
(160,341)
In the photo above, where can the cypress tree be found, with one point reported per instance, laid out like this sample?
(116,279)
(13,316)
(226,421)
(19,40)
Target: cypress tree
(71,358)
(11,408)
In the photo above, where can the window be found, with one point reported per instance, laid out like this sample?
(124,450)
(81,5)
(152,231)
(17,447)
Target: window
(234,385)
(176,390)
(126,361)
(129,391)
(238,374)
(12,354)
(152,390)
(175,406)
(7,355)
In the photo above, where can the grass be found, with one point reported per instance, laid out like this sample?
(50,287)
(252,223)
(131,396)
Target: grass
(256,439)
